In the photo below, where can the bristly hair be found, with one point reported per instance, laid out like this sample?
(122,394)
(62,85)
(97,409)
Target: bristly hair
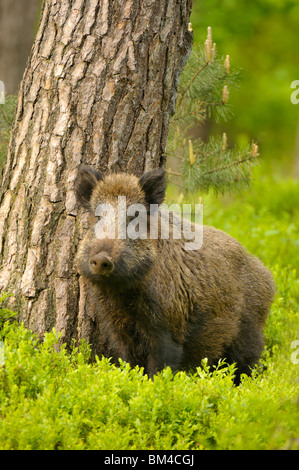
(153,184)
(87,180)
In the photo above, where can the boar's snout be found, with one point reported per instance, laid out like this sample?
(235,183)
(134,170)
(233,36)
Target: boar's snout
(101,264)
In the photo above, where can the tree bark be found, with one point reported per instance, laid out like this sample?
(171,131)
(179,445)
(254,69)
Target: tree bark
(99,88)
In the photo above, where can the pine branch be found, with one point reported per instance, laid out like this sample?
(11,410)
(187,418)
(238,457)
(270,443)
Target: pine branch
(204,91)
(173,173)
(229,165)
(191,81)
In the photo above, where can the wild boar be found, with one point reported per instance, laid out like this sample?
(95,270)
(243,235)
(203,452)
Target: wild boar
(159,304)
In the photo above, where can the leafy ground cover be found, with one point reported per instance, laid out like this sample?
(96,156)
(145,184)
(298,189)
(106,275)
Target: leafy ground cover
(54,399)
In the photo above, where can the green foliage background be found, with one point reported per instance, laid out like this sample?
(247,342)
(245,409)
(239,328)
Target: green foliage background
(261,37)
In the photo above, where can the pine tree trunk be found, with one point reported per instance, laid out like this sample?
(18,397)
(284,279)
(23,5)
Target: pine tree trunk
(99,88)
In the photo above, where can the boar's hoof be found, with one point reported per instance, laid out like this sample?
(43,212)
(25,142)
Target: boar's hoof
(100,264)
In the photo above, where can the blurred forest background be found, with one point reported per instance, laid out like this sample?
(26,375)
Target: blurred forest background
(261,37)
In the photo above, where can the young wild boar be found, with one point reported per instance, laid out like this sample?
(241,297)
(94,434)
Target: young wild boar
(159,304)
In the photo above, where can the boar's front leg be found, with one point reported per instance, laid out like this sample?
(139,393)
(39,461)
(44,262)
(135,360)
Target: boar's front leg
(165,353)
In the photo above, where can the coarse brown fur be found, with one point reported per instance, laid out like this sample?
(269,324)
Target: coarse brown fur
(163,305)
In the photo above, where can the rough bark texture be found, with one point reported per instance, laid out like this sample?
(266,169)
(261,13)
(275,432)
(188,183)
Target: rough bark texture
(99,88)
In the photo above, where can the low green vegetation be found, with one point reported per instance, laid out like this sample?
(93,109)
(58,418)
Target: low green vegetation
(54,399)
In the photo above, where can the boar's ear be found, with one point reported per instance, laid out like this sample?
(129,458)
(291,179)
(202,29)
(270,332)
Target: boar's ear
(154,185)
(87,179)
